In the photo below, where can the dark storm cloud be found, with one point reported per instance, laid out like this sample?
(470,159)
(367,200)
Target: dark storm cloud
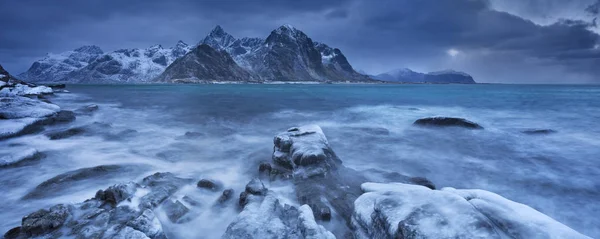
(493,45)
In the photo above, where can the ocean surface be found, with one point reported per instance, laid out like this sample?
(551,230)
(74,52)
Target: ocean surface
(368,126)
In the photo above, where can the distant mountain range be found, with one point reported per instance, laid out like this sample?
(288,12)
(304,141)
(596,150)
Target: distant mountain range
(405,75)
(285,55)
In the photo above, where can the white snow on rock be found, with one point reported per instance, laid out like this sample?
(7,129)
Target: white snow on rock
(18,107)
(312,230)
(22,90)
(265,217)
(10,156)
(305,150)
(398,210)
(10,127)
(515,219)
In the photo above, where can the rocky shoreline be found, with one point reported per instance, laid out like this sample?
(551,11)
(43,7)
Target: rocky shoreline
(410,208)
(326,192)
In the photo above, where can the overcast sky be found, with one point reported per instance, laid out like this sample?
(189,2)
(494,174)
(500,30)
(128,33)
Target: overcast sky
(507,41)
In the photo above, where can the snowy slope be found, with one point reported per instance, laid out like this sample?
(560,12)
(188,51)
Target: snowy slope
(54,67)
(129,65)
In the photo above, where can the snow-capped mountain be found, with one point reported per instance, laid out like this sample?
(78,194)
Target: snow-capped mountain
(287,54)
(202,65)
(89,64)
(129,65)
(54,67)
(406,75)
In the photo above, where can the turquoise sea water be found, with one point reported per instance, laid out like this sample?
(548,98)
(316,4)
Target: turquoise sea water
(369,127)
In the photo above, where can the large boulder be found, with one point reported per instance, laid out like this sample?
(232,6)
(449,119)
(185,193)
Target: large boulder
(396,210)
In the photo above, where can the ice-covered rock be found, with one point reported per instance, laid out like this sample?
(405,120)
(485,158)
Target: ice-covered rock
(21,115)
(16,156)
(265,217)
(23,90)
(121,211)
(396,210)
(23,107)
(305,150)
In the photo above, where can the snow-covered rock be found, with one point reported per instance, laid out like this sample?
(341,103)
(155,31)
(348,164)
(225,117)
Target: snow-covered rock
(14,156)
(22,90)
(54,67)
(120,211)
(397,210)
(305,150)
(18,107)
(265,217)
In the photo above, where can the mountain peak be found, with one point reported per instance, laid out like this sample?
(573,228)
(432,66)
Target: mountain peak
(218,30)
(157,46)
(181,44)
(218,38)
(92,49)
(286,28)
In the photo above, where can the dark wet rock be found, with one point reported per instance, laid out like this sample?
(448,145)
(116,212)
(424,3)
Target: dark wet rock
(193,135)
(423,182)
(175,210)
(447,121)
(44,221)
(57,86)
(57,184)
(538,131)
(12,233)
(191,201)
(63,134)
(115,194)
(226,196)
(77,131)
(87,110)
(256,187)
(265,168)
(209,184)
(243,199)
(372,130)
(64,116)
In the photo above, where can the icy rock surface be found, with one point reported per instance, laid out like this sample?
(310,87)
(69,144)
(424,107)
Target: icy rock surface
(264,217)
(120,211)
(397,210)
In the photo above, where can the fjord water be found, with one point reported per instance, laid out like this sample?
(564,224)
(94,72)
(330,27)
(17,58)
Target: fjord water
(369,127)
